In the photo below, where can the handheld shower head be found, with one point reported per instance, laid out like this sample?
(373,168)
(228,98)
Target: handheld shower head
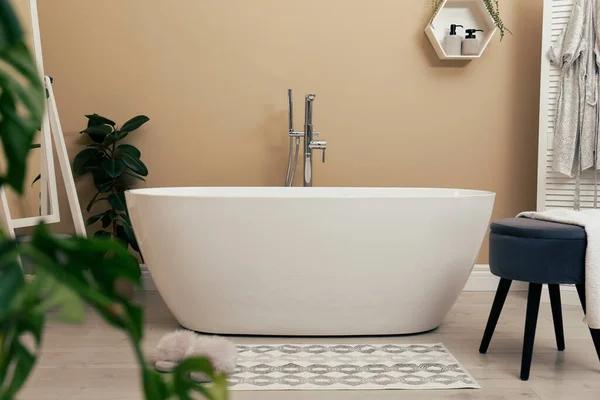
(291,110)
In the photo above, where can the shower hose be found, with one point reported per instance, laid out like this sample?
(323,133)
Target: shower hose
(292,161)
(291,169)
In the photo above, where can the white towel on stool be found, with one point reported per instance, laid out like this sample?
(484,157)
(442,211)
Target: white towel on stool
(590,221)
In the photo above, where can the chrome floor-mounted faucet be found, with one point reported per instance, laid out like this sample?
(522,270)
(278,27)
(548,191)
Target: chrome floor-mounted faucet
(310,143)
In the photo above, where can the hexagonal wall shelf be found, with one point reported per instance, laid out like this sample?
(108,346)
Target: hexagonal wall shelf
(472,14)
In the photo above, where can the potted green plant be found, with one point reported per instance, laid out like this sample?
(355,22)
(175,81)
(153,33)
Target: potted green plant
(113,166)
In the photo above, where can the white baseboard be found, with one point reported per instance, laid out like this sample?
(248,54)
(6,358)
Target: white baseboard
(481,280)
(147,282)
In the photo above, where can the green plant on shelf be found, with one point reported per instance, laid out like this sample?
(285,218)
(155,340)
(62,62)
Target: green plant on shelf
(113,165)
(492,7)
(71,272)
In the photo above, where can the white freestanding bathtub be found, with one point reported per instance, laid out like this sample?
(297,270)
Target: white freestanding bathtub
(309,261)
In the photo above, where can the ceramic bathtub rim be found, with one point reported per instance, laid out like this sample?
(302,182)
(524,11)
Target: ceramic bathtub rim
(313,192)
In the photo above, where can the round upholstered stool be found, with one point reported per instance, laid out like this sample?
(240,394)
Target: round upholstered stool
(538,252)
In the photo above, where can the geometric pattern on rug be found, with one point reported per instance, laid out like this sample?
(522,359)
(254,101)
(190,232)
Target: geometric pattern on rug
(348,367)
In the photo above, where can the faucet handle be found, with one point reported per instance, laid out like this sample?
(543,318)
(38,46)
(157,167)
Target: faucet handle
(319,145)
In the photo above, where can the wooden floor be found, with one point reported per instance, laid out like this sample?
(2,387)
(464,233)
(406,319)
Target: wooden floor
(95,362)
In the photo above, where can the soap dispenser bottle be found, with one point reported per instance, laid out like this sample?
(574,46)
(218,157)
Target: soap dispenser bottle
(453,42)
(470,46)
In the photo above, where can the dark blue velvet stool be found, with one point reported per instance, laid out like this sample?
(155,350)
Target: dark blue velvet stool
(537,252)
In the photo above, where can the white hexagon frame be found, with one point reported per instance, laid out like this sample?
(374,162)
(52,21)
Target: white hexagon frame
(470,13)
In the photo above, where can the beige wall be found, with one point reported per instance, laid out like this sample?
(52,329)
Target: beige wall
(27,204)
(212,76)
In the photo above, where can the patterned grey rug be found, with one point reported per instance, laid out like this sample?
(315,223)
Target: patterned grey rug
(348,367)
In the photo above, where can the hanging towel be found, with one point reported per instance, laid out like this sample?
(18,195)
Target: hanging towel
(576,125)
(590,220)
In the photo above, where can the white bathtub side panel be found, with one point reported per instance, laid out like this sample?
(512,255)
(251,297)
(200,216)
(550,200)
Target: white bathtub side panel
(285,266)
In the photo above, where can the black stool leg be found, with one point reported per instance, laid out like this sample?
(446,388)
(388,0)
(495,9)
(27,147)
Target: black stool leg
(557,316)
(581,293)
(533,307)
(595,332)
(501,293)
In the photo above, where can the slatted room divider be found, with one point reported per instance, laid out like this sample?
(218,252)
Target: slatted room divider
(555,190)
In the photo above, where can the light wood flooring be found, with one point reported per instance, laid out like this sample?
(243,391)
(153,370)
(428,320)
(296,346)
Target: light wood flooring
(94,362)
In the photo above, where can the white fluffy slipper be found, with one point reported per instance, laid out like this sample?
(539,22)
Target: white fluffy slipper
(221,353)
(171,349)
(175,346)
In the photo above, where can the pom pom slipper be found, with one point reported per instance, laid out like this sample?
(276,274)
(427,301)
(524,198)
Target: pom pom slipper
(172,348)
(181,344)
(221,353)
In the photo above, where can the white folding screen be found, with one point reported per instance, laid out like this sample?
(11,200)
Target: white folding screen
(555,190)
